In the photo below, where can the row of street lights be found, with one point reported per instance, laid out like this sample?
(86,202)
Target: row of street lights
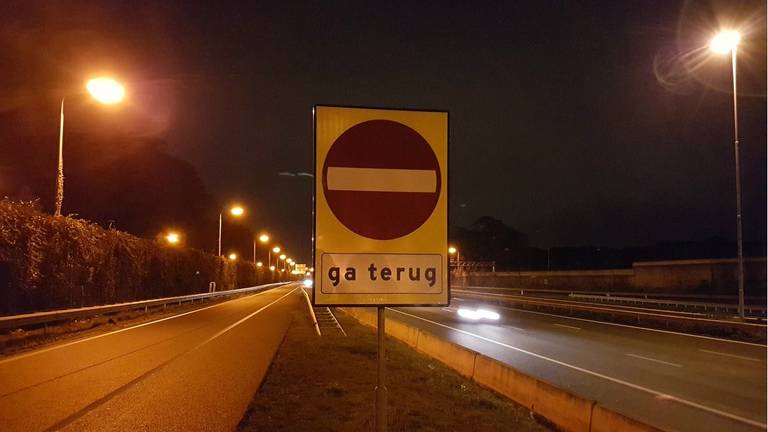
(174,238)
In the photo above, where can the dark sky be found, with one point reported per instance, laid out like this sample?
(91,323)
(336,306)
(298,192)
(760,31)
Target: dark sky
(576,122)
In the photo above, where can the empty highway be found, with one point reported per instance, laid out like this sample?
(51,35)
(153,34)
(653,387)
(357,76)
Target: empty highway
(669,380)
(196,370)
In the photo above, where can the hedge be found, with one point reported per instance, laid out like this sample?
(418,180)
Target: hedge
(51,262)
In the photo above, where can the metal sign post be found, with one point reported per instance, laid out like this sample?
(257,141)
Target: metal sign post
(381,376)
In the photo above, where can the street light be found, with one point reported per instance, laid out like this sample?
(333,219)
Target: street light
(235,211)
(282,257)
(275,250)
(232,256)
(104,90)
(259,264)
(727,41)
(262,238)
(172,238)
(272,268)
(452,250)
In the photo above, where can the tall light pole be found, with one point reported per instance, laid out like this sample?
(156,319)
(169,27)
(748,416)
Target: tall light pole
(104,90)
(262,238)
(453,251)
(727,41)
(235,211)
(276,250)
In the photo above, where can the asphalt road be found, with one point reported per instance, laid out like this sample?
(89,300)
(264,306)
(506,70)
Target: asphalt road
(197,370)
(670,380)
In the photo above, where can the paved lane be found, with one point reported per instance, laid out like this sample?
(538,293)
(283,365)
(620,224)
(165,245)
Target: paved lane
(193,371)
(670,380)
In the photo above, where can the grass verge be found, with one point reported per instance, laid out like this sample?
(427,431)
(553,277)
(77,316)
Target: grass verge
(327,384)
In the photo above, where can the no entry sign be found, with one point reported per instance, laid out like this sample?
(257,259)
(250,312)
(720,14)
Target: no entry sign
(380,207)
(381,179)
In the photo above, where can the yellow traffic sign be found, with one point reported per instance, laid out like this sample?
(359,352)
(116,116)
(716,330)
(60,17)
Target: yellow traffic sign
(381,207)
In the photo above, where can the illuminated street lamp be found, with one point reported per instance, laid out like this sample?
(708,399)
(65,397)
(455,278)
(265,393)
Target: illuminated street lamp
(262,238)
(727,41)
(283,257)
(232,256)
(274,250)
(236,211)
(104,90)
(173,238)
(453,251)
(259,264)
(271,268)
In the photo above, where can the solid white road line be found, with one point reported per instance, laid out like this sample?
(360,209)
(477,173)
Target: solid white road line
(730,355)
(381,180)
(244,319)
(567,326)
(654,360)
(55,347)
(655,393)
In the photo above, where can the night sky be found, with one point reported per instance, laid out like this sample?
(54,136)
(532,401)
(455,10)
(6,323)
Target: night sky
(576,122)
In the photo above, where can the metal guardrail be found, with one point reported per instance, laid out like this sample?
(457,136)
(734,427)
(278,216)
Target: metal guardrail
(37,318)
(725,307)
(636,294)
(665,318)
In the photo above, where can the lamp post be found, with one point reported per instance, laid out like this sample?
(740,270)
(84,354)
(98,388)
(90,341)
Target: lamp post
(104,90)
(727,41)
(262,238)
(276,250)
(453,251)
(235,211)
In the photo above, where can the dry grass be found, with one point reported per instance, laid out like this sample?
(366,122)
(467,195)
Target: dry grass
(327,384)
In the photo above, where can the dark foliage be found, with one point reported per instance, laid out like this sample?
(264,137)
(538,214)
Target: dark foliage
(58,262)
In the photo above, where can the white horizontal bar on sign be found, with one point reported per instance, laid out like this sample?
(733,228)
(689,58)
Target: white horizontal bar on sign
(381,180)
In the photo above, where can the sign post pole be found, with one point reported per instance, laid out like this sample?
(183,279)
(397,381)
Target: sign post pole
(381,388)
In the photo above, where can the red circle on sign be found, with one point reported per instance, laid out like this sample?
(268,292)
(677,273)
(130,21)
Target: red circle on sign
(382,187)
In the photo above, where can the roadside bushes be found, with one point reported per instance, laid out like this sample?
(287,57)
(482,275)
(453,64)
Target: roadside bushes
(51,262)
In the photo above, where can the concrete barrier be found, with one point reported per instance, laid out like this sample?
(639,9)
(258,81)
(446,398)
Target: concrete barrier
(403,332)
(457,357)
(605,420)
(566,411)
(503,379)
